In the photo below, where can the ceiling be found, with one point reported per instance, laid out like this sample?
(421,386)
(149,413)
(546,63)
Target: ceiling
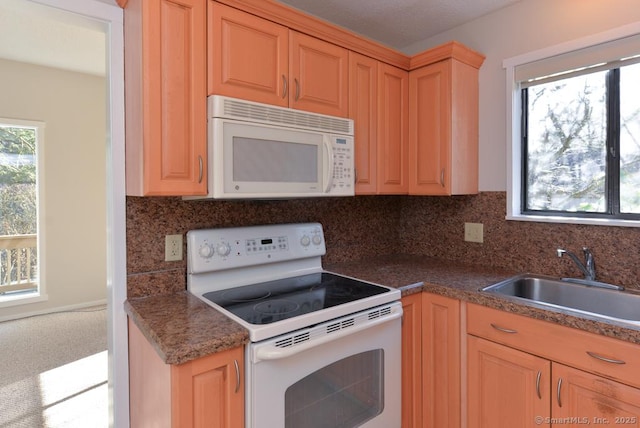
(398,23)
(43,35)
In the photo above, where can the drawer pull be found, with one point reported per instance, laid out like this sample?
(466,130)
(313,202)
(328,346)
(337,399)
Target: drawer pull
(538,384)
(605,359)
(559,391)
(502,329)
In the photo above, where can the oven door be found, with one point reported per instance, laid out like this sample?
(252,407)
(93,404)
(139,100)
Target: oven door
(340,374)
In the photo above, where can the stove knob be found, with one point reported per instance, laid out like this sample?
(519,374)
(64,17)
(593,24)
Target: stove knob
(317,240)
(223,249)
(305,241)
(206,251)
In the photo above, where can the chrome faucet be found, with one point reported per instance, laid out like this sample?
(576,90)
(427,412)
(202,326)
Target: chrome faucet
(588,268)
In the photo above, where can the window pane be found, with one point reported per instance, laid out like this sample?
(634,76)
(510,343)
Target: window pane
(344,394)
(566,152)
(18,210)
(630,139)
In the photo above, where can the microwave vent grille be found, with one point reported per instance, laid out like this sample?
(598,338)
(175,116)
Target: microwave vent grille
(238,109)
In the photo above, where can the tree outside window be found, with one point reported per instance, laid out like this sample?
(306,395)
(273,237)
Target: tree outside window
(18,202)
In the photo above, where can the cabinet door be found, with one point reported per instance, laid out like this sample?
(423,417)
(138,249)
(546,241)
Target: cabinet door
(430,129)
(580,398)
(412,361)
(319,74)
(506,387)
(393,122)
(247,56)
(165,81)
(209,392)
(363,98)
(441,361)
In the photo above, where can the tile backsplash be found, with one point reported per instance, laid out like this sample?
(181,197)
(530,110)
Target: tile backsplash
(367,226)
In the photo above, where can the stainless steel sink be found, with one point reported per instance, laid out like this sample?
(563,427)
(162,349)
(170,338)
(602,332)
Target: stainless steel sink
(567,294)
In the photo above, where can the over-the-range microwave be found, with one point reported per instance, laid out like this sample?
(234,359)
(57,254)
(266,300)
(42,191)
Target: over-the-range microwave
(259,151)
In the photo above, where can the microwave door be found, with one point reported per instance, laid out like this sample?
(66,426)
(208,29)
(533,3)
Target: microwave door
(262,161)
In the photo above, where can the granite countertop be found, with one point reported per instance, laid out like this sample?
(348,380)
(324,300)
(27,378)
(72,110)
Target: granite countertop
(181,327)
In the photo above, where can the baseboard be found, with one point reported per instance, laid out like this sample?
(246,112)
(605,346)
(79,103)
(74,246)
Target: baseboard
(68,308)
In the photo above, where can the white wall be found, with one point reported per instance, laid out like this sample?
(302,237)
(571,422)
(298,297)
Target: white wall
(73,107)
(523,27)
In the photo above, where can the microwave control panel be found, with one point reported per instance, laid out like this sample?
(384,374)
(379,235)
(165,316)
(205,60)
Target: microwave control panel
(343,178)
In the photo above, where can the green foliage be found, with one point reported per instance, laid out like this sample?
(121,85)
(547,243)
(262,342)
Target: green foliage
(18,210)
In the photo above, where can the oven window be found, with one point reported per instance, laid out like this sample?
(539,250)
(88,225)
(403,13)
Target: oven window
(344,394)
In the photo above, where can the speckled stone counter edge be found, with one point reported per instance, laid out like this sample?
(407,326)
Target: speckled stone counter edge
(182,328)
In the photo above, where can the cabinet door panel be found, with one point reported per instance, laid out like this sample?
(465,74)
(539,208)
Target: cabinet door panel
(587,398)
(166,97)
(248,56)
(504,388)
(441,357)
(430,130)
(205,394)
(319,73)
(412,361)
(363,98)
(393,122)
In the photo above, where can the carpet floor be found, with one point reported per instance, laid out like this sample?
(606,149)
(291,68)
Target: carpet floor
(53,370)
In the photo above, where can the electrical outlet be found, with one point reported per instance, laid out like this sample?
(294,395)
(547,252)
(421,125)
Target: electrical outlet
(473,232)
(172,248)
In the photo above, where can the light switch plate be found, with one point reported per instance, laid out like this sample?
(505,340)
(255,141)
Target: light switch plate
(473,232)
(172,248)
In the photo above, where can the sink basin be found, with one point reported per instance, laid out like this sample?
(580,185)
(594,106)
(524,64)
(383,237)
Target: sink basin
(565,294)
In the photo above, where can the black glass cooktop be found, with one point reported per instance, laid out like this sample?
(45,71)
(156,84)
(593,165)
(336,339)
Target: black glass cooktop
(272,301)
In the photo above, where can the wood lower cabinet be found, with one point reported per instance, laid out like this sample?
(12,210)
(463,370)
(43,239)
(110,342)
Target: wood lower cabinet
(441,361)
(581,398)
(505,387)
(204,393)
(412,361)
(165,84)
(525,372)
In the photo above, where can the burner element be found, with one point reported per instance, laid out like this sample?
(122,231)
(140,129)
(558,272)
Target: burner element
(276,307)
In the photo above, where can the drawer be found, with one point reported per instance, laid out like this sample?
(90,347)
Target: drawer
(591,352)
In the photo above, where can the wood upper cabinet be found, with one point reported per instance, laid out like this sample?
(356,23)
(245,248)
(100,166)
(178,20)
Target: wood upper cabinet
(363,109)
(319,75)
(506,387)
(204,393)
(248,56)
(165,102)
(258,60)
(393,122)
(412,361)
(443,122)
(441,361)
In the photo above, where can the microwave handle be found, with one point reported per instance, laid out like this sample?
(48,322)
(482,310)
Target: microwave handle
(329,150)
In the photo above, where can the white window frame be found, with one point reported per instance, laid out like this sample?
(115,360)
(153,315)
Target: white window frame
(40,295)
(513,125)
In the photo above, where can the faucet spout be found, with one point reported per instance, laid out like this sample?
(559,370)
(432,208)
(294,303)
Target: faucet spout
(589,266)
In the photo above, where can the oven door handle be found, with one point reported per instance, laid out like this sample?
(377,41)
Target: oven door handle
(273,353)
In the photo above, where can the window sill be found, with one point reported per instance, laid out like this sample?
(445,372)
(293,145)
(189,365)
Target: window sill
(574,220)
(24,299)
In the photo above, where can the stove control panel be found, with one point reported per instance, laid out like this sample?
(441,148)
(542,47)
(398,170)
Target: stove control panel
(211,250)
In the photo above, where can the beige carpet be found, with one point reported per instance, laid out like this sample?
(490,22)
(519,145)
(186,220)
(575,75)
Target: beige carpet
(53,370)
